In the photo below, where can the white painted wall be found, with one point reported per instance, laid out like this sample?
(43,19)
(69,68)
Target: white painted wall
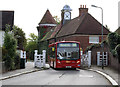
(1,38)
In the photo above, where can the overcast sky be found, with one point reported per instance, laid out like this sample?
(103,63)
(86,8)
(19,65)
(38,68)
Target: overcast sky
(28,13)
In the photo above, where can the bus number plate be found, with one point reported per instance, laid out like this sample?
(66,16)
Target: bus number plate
(68,66)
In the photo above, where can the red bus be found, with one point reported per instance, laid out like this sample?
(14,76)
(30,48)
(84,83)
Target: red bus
(64,54)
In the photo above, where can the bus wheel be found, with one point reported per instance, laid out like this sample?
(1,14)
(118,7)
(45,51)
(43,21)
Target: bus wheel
(53,65)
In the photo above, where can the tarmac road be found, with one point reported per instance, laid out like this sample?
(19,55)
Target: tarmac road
(58,77)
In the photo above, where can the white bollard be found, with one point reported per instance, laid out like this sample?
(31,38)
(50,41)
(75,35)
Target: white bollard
(35,57)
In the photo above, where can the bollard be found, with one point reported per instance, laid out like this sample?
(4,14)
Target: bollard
(35,57)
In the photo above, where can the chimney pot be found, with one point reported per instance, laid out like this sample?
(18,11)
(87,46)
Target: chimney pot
(83,6)
(80,6)
(82,10)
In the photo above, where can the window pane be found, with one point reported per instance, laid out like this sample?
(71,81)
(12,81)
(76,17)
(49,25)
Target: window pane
(94,39)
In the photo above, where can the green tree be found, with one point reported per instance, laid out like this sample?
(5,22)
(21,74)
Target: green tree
(20,36)
(32,45)
(117,48)
(113,41)
(33,37)
(10,45)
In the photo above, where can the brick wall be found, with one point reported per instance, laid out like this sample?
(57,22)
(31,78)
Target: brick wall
(99,49)
(112,61)
(83,39)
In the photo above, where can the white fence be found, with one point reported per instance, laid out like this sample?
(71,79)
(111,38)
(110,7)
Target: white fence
(102,58)
(22,54)
(39,59)
(86,59)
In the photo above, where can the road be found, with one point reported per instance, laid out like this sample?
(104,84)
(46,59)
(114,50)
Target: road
(58,77)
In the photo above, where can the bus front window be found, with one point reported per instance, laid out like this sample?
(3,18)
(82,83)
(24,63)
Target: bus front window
(68,53)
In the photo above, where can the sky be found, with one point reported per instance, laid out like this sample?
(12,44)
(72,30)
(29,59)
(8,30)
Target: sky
(28,13)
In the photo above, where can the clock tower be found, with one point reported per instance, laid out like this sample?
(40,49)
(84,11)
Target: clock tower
(66,14)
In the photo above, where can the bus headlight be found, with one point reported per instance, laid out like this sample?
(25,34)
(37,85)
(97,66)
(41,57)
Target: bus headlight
(78,61)
(58,61)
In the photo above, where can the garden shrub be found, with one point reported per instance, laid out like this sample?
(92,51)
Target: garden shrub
(10,45)
(114,53)
(17,61)
(113,40)
(118,51)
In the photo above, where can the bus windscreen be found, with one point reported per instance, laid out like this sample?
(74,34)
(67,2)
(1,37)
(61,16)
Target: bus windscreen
(68,51)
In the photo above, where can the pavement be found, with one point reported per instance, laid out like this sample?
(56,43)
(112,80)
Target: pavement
(108,72)
(29,68)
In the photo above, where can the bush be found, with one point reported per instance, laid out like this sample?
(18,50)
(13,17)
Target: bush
(118,51)
(114,53)
(17,61)
(0,54)
(9,46)
(92,46)
(113,40)
(9,62)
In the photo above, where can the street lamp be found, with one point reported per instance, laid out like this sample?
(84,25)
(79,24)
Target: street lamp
(102,34)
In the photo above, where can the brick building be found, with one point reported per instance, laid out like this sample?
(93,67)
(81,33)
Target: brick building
(84,28)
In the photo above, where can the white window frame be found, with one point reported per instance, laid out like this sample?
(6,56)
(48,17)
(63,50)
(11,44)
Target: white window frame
(94,39)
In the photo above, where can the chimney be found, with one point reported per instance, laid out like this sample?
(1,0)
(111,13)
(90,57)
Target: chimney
(82,10)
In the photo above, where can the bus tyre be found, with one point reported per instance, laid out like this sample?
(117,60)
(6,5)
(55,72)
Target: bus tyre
(53,65)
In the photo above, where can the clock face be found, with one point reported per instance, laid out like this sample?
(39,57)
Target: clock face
(67,15)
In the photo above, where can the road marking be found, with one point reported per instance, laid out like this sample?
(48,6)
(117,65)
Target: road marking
(88,76)
(112,81)
(108,77)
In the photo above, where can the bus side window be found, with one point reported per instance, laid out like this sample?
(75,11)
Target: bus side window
(52,52)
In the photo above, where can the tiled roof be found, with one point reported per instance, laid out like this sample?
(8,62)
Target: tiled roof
(85,24)
(47,18)
(48,35)
(56,30)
